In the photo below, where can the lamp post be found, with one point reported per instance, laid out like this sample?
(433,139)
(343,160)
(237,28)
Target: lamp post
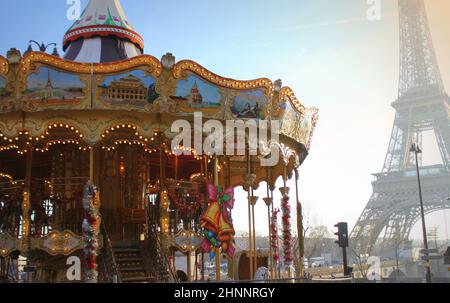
(42,47)
(415,148)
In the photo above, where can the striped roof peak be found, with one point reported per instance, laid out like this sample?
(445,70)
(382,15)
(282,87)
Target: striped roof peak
(103,12)
(103,18)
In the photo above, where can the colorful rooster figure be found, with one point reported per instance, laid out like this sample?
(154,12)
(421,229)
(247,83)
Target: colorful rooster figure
(217,222)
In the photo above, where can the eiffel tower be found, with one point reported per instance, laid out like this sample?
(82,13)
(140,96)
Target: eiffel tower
(422,105)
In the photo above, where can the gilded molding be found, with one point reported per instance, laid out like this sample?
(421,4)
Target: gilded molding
(89,125)
(4,66)
(9,244)
(153,64)
(287,95)
(188,65)
(186,241)
(58,243)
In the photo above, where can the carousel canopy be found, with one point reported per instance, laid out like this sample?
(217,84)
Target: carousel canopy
(102,34)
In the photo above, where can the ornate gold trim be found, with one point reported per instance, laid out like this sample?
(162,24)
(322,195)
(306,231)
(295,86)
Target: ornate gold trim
(8,244)
(194,67)
(186,241)
(4,66)
(287,94)
(314,120)
(153,64)
(58,243)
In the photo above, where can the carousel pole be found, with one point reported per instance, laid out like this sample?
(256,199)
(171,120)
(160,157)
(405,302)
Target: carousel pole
(250,237)
(299,227)
(26,203)
(287,247)
(277,265)
(196,266)
(189,266)
(268,200)
(255,253)
(161,167)
(227,181)
(205,165)
(176,167)
(203,266)
(91,164)
(254,201)
(216,183)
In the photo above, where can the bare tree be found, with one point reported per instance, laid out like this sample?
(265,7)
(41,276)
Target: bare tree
(306,224)
(315,239)
(361,253)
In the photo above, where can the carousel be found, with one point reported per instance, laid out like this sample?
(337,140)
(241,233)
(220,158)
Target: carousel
(88,170)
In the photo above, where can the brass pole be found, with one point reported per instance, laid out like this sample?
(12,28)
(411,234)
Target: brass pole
(195,266)
(176,167)
(268,203)
(250,237)
(205,164)
(26,203)
(285,185)
(216,183)
(277,268)
(91,164)
(254,200)
(174,265)
(299,227)
(255,256)
(227,181)
(189,266)
(29,163)
(203,266)
(161,167)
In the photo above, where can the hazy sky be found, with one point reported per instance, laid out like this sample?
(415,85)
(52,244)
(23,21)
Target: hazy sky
(326,50)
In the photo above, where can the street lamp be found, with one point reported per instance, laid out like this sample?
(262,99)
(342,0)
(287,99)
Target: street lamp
(42,47)
(415,148)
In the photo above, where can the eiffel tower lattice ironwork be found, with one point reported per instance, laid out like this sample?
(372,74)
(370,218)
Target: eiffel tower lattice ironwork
(422,105)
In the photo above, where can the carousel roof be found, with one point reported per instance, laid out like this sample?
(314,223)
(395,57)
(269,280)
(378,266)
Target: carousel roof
(102,34)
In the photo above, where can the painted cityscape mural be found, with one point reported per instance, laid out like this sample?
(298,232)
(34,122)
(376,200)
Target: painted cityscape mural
(50,86)
(195,93)
(249,105)
(132,88)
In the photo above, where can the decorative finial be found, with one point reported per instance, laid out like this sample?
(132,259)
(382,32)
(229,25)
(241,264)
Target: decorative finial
(168,61)
(278,85)
(13,56)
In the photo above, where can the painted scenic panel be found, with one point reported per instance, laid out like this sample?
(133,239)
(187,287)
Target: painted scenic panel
(294,125)
(131,88)
(194,93)
(249,105)
(53,86)
(3,92)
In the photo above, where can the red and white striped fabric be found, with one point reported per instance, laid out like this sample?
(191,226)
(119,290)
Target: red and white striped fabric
(102,34)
